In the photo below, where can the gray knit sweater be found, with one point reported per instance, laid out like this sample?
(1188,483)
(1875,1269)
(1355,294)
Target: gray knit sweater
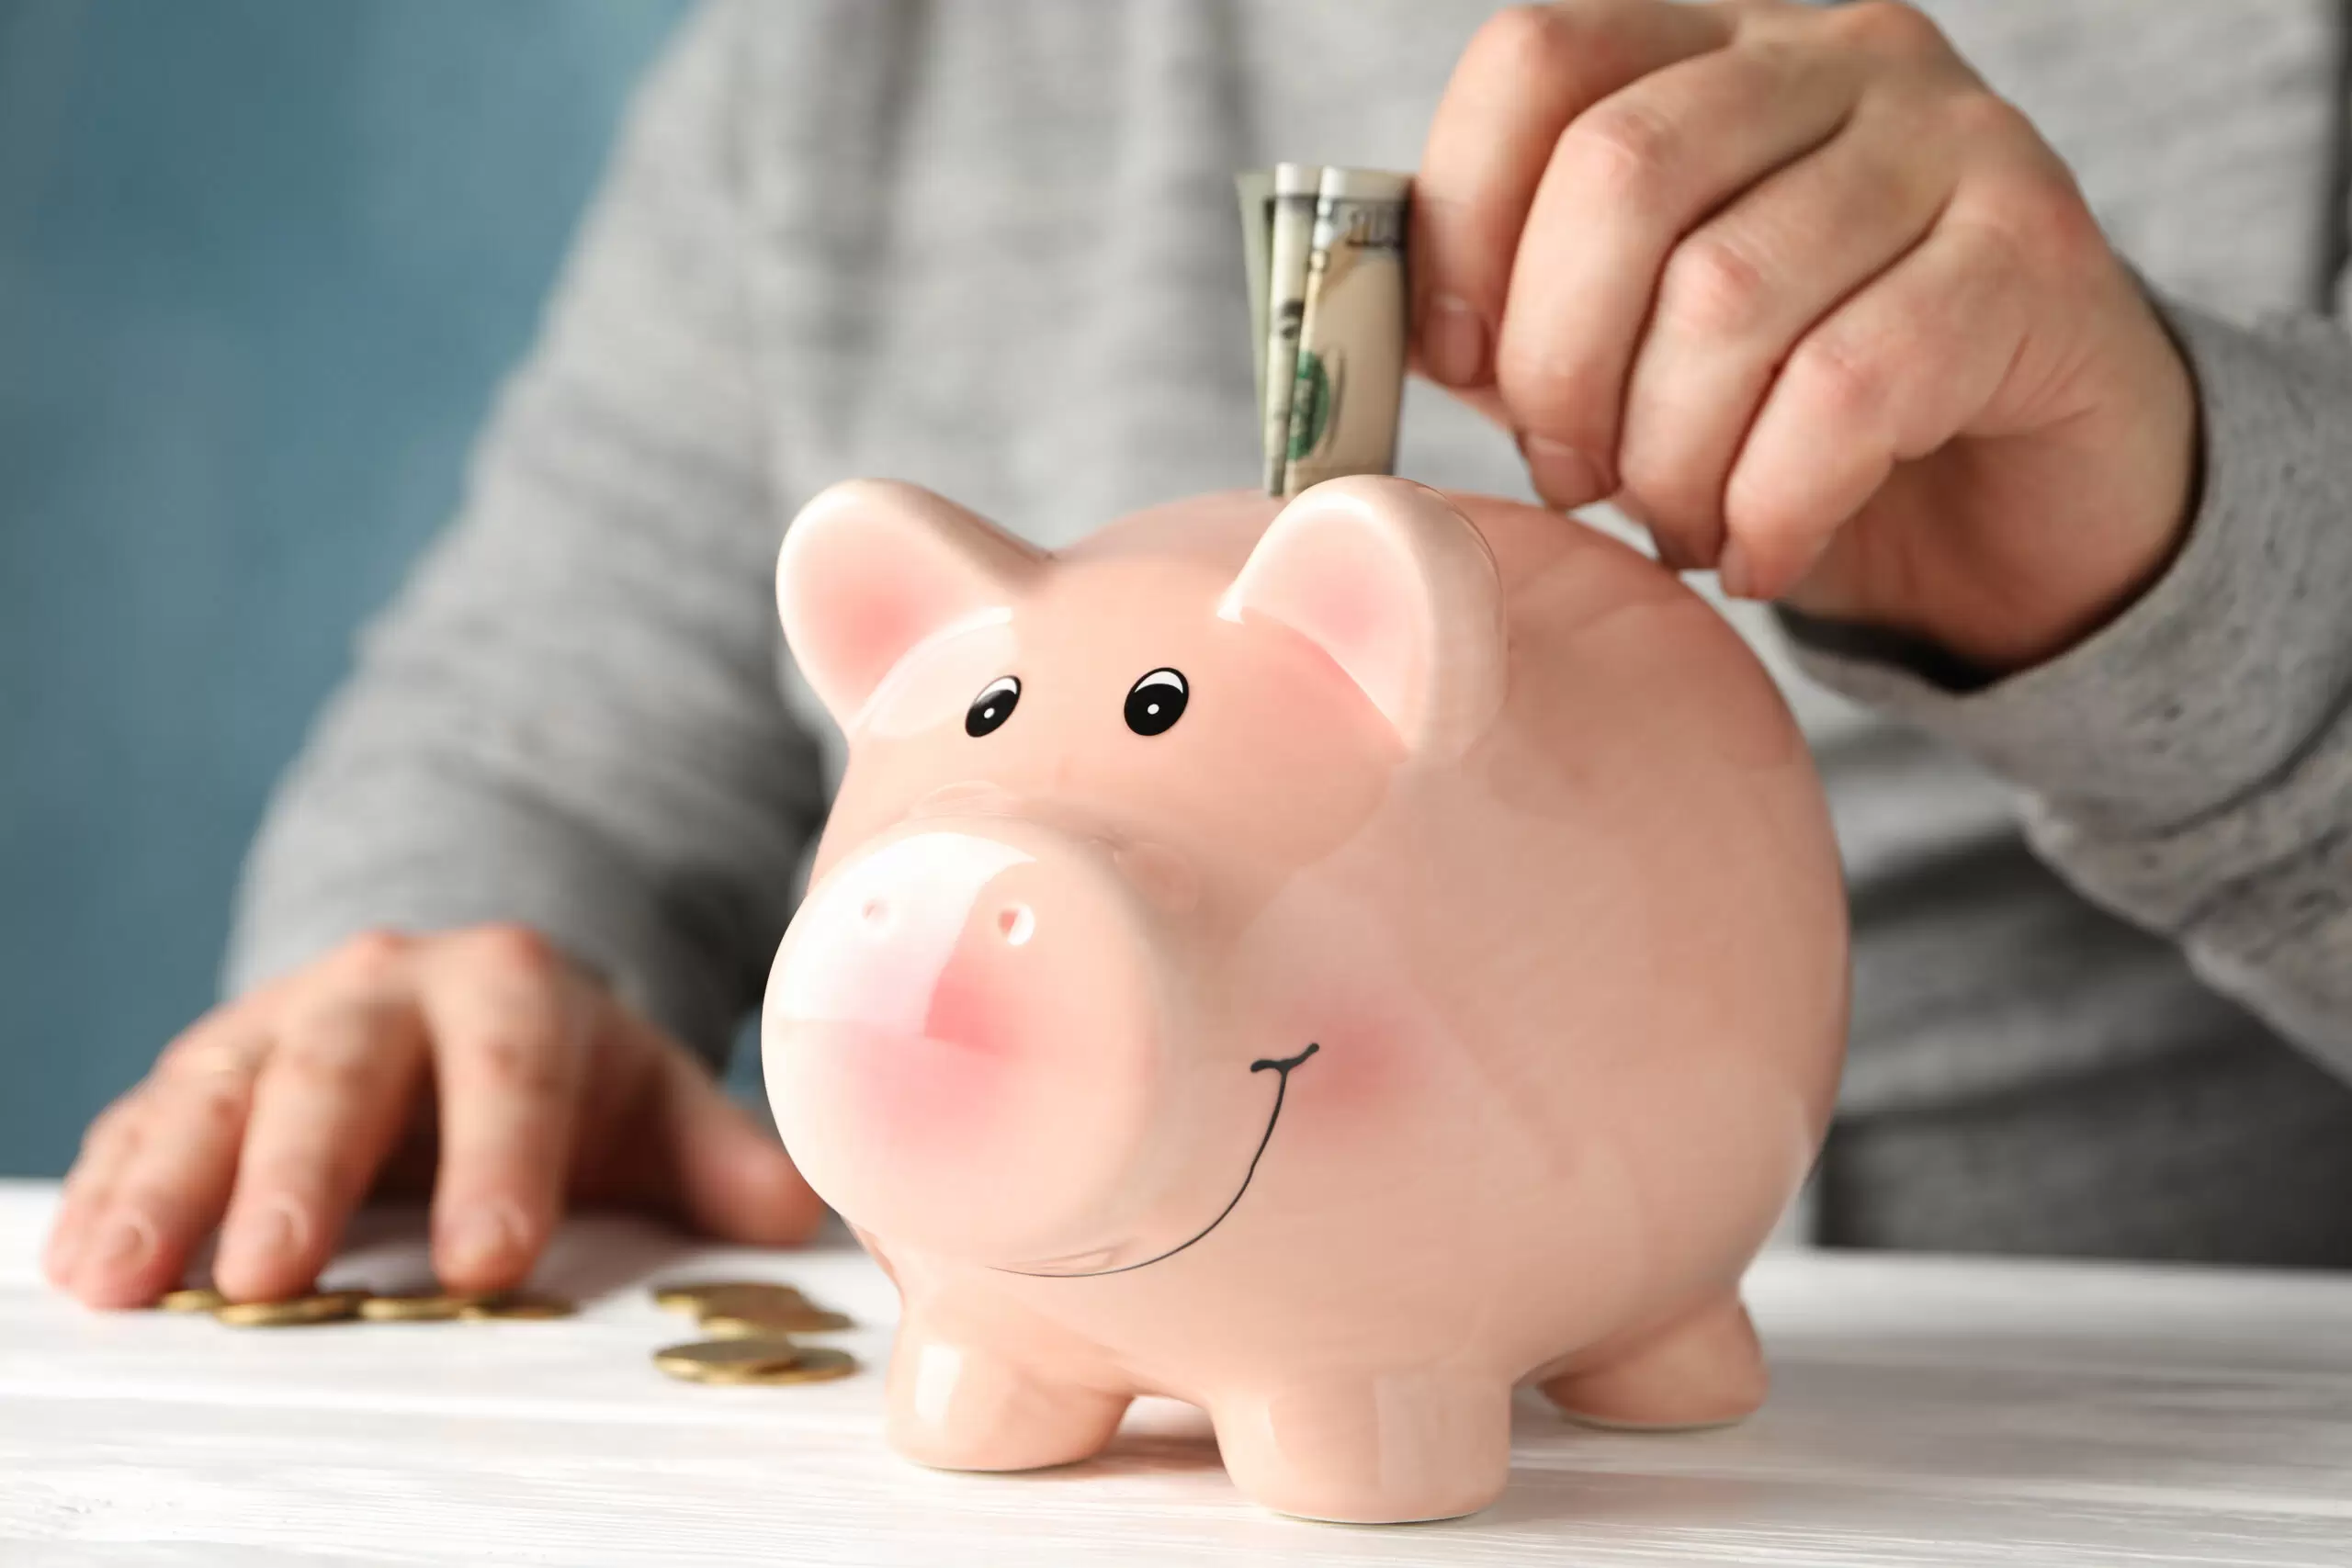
(991,248)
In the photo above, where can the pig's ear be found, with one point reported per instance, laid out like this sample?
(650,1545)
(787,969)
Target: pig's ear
(872,567)
(1400,590)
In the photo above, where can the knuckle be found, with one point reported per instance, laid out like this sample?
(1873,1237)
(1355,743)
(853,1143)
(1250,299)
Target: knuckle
(214,1108)
(1979,116)
(2038,222)
(1624,150)
(1848,380)
(191,1040)
(1531,39)
(203,1054)
(1714,287)
(205,1105)
(1887,27)
(515,950)
(114,1128)
(517,1066)
(327,1066)
(369,960)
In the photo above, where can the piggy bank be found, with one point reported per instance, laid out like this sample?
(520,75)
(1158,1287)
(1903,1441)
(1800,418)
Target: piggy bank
(1332,961)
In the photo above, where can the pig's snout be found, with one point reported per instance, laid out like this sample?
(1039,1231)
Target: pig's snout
(963,1034)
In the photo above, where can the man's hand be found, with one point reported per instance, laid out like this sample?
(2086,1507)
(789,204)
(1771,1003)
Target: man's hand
(479,1064)
(1810,302)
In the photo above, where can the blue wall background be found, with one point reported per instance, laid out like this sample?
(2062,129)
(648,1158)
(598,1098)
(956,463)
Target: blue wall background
(262,263)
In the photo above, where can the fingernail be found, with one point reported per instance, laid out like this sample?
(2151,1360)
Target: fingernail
(1734,573)
(121,1245)
(1453,342)
(1564,477)
(480,1237)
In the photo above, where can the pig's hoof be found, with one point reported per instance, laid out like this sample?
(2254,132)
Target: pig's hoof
(953,1407)
(1396,1450)
(1706,1370)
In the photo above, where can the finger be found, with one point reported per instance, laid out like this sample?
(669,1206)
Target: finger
(113,1137)
(734,1179)
(326,1109)
(227,1039)
(1624,183)
(1738,291)
(171,1190)
(1891,374)
(1524,76)
(508,1019)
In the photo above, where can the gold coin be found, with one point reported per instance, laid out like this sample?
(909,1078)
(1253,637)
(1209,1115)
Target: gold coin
(193,1299)
(327,1306)
(419,1306)
(727,1360)
(812,1366)
(760,1323)
(818,1364)
(514,1304)
(709,1295)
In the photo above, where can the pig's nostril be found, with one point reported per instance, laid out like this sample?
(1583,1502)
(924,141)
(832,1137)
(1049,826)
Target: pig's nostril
(1016,923)
(875,912)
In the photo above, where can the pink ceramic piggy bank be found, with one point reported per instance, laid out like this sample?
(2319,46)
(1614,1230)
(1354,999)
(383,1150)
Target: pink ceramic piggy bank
(1330,962)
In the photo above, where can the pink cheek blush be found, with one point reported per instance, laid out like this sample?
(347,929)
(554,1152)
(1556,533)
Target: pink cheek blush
(1367,1068)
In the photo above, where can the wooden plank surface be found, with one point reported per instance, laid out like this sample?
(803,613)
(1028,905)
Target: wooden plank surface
(1926,1410)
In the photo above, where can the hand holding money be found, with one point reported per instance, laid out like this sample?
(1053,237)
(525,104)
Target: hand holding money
(1325,252)
(1801,294)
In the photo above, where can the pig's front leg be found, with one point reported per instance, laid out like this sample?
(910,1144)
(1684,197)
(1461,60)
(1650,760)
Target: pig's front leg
(955,1405)
(1705,1369)
(1377,1448)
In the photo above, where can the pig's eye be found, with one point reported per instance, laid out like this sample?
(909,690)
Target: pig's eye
(1156,703)
(993,706)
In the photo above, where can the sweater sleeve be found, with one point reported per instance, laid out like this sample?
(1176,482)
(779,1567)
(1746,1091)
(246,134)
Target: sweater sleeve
(2189,765)
(569,716)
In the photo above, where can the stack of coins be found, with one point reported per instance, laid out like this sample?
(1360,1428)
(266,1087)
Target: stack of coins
(751,1324)
(747,1362)
(341,1306)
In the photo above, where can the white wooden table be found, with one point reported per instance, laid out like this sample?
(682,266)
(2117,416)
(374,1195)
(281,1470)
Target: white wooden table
(1926,1410)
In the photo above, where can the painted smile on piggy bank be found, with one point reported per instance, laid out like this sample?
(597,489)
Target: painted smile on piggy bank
(1281,1070)
(1476,814)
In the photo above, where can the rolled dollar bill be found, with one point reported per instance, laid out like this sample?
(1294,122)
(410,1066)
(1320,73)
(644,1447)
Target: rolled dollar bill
(1348,375)
(1323,250)
(1290,242)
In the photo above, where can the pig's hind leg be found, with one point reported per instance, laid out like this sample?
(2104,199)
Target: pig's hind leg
(1373,1448)
(1704,1369)
(961,1407)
